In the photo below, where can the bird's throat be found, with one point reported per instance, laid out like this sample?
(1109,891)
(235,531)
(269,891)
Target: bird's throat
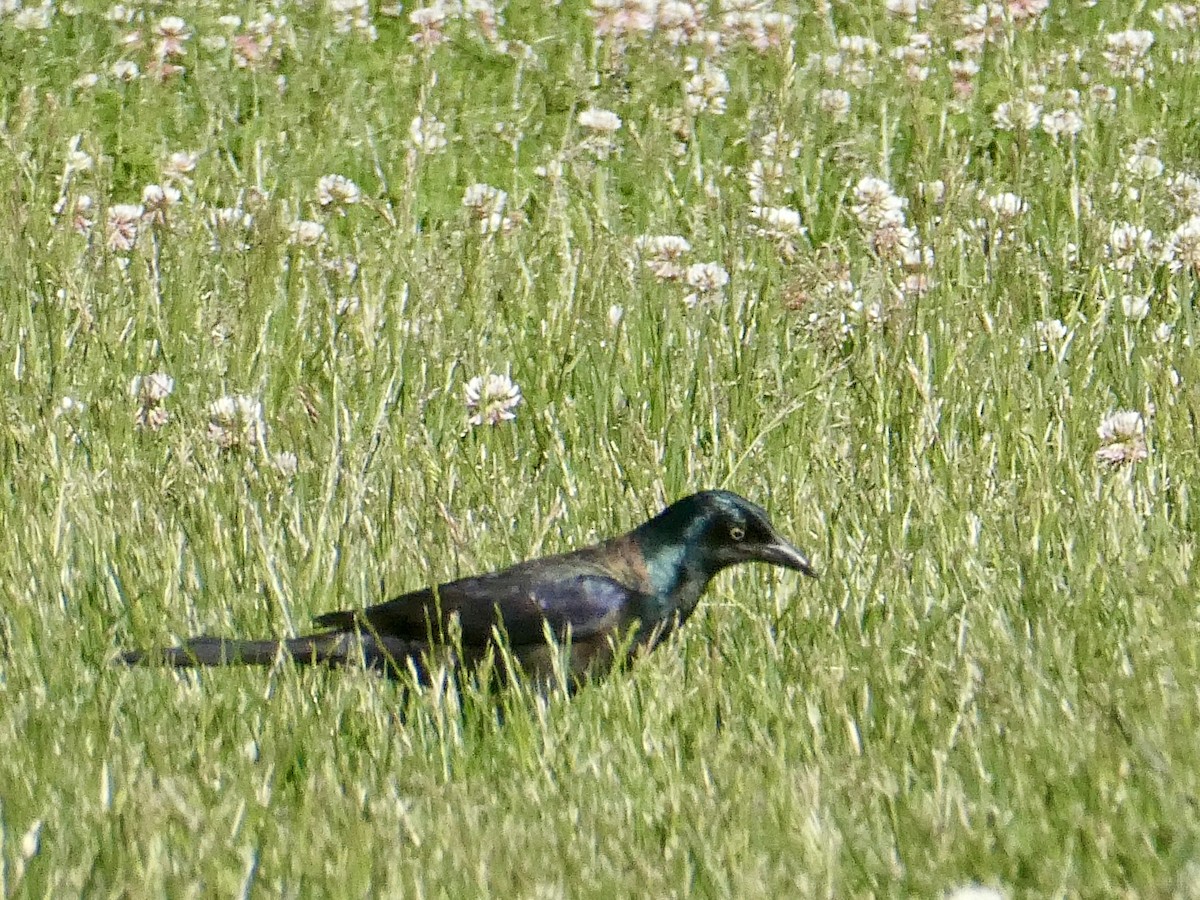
(677,580)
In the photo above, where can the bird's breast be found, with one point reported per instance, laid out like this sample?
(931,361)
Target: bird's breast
(552,664)
(594,655)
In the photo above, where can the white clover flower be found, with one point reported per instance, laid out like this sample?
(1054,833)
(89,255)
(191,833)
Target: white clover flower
(81,212)
(705,91)
(906,9)
(306,233)
(1183,248)
(158,196)
(1020,115)
(33,18)
(1127,243)
(835,103)
(963,71)
(858,45)
(337,190)
(492,399)
(621,18)
(779,219)
(706,278)
(877,203)
(832,64)
(78,160)
(932,191)
(173,34)
(427,134)
(172,26)
(913,257)
(897,242)
(126,70)
(432,16)
(1178,16)
(1020,10)
(1127,51)
(781,224)
(1184,189)
(668,245)
(761,176)
(157,199)
(122,231)
(236,422)
(1144,166)
(981,22)
(231,217)
(353,16)
(286,463)
(602,125)
(678,22)
(915,55)
(601,121)
(1122,439)
(616,313)
(179,167)
(1007,206)
(1129,44)
(778,144)
(759,27)
(1062,122)
(663,254)
(151,390)
(1135,307)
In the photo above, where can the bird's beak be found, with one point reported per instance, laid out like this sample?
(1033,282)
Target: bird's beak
(780,553)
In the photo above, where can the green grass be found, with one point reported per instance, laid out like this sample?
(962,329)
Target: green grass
(996,679)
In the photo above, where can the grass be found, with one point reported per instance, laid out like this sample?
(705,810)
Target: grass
(995,681)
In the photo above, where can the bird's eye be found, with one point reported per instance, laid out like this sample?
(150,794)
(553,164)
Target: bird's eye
(737,532)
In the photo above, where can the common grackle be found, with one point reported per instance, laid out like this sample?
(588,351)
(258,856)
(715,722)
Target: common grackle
(623,595)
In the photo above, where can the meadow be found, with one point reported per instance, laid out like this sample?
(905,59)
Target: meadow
(306,303)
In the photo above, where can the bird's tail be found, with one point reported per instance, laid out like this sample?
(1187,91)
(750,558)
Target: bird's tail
(332,649)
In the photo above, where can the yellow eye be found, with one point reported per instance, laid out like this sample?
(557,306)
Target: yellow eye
(737,532)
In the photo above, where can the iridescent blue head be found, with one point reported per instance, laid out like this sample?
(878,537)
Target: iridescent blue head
(717,529)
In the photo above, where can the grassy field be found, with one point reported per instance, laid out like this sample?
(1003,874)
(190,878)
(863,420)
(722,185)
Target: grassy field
(888,270)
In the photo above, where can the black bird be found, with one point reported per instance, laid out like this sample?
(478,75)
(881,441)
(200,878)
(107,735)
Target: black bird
(624,595)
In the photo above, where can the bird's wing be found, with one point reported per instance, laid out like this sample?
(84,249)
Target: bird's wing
(521,602)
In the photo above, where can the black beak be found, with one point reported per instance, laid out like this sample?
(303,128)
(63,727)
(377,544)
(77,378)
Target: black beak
(780,553)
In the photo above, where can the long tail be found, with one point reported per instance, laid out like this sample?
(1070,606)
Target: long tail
(337,648)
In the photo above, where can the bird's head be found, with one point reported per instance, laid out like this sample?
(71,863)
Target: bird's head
(721,529)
